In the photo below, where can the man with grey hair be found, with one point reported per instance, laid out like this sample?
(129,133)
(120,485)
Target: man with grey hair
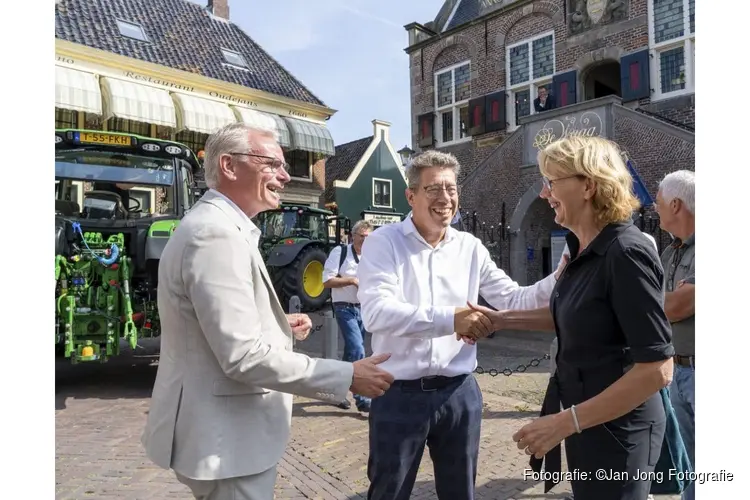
(222,402)
(340,275)
(675,204)
(416,279)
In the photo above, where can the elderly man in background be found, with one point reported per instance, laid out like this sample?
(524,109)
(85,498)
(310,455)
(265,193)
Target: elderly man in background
(340,275)
(222,402)
(675,204)
(416,277)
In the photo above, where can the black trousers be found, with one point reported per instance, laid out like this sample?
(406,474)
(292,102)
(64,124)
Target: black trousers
(619,456)
(448,420)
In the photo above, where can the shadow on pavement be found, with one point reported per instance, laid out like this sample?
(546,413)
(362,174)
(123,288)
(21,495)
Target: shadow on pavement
(321,409)
(496,489)
(126,376)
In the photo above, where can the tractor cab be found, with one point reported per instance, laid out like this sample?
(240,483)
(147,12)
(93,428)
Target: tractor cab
(295,242)
(118,197)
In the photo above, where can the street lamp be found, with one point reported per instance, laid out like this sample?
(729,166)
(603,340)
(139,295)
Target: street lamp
(405,153)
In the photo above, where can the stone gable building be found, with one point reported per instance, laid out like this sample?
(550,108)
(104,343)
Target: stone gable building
(621,69)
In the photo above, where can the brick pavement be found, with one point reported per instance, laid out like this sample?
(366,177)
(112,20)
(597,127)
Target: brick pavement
(101,410)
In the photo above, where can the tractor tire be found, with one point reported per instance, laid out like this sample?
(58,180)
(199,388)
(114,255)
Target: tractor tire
(291,280)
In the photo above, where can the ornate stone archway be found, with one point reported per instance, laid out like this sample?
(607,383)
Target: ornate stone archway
(591,60)
(518,241)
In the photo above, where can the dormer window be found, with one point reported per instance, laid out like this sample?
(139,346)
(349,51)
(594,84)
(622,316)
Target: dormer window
(132,30)
(234,58)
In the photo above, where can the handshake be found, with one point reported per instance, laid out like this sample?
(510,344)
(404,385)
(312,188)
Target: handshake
(476,322)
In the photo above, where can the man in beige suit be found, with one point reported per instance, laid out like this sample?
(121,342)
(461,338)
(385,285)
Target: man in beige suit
(221,407)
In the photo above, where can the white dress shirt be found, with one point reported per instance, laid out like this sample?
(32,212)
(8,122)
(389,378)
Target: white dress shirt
(409,291)
(348,269)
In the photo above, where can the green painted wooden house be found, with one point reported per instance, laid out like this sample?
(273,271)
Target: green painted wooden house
(365,179)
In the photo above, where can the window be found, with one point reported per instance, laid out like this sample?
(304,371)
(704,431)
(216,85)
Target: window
(299,163)
(234,58)
(129,127)
(132,30)
(672,43)
(196,141)
(146,197)
(65,118)
(529,65)
(452,92)
(73,191)
(381,192)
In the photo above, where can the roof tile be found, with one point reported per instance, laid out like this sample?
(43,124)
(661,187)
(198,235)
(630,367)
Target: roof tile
(182,35)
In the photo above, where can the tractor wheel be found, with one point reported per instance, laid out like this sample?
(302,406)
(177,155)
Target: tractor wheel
(303,278)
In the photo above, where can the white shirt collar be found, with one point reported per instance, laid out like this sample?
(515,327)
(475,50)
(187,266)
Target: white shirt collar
(253,228)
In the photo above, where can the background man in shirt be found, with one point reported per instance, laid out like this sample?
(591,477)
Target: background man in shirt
(341,278)
(416,277)
(675,203)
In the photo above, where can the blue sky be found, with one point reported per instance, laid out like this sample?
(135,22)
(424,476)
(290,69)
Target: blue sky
(349,53)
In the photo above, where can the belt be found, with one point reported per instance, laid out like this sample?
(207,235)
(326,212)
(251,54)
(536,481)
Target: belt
(345,304)
(684,360)
(428,384)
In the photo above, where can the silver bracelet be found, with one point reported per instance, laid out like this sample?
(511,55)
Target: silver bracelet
(575,418)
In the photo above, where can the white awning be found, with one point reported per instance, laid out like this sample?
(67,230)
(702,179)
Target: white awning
(308,136)
(141,103)
(77,91)
(253,117)
(201,115)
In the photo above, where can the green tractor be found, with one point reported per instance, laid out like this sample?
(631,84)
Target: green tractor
(118,198)
(295,244)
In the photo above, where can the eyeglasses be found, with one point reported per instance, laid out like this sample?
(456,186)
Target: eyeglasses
(273,163)
(436,189)
(550,183)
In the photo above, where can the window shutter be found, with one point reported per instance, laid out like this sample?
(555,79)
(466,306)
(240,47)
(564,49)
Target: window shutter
(564,88)
(634,76)
(494,111)
(426,123)
(476,115)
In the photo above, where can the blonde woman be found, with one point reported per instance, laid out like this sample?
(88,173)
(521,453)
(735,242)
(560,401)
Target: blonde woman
(614,339)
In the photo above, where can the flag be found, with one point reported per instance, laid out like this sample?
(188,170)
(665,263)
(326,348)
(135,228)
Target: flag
(640,188)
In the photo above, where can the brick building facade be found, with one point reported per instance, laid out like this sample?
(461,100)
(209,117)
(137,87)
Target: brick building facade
(622,69)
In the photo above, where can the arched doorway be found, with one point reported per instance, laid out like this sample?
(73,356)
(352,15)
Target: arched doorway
(531,227)
(601,80)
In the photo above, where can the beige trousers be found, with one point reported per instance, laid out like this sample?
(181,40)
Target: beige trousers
(256,487)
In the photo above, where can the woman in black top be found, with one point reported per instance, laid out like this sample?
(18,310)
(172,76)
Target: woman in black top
(614,339)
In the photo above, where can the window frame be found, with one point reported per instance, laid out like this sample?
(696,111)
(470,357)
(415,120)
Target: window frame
(687,41)
(309,177)
(375,180)
(79,191)
(532,83)
(151,192)
(225,51)
(455,107)
(121,22)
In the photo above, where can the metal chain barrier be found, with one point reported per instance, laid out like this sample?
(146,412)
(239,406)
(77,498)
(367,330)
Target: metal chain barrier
(494,372)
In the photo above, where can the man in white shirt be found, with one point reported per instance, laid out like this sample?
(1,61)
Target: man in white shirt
(416,277)
(340,275)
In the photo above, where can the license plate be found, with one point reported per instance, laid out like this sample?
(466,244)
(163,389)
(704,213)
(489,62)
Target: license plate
(106,139)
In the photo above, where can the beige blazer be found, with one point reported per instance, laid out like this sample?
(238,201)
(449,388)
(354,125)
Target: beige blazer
(222,401)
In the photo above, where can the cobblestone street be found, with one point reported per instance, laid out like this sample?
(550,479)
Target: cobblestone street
(101,410)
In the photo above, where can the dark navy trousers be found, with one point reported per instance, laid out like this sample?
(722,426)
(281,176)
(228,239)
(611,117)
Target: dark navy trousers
(448,420)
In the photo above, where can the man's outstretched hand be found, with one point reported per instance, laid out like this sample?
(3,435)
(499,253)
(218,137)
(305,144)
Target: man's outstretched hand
(369,380)
(471,325)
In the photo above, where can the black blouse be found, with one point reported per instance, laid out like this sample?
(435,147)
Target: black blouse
(609,301)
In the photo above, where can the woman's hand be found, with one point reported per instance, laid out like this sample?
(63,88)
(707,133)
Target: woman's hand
(496,317)
(491,316)
(544,433)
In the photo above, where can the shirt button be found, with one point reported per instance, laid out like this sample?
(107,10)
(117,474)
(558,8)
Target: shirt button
(557,294)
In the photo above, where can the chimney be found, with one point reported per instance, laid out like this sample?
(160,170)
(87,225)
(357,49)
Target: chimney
(219,8)
(381,128)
